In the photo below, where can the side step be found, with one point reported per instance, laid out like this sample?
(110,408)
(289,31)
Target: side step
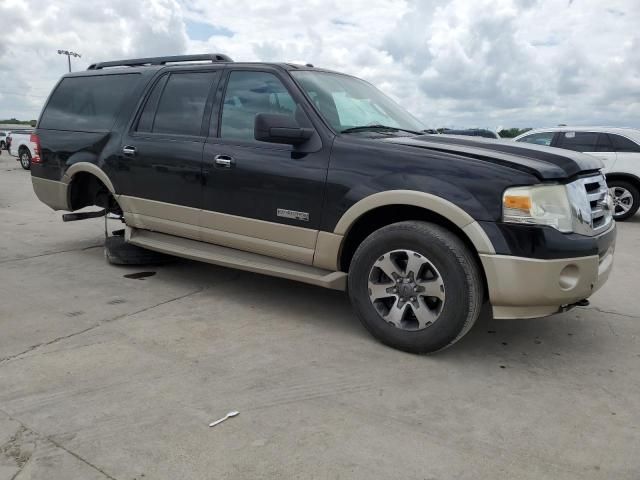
(229,257)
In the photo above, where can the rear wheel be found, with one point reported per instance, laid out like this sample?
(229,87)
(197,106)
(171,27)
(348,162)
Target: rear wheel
(626,199)
(25,159)
(3,145)
(415,286)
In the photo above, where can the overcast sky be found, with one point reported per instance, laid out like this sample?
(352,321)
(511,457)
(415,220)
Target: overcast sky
(460,63)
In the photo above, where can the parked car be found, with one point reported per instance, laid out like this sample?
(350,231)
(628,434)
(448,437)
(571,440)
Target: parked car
(618,148)
(22,147)
(3,139)
(471,132)
(317,176)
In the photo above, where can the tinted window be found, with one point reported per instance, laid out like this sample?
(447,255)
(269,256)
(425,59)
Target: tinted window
(182,103)
(604,144)
(250,93)
(145,122)
(87,103)
(623,144)
(539,138)
(579,141)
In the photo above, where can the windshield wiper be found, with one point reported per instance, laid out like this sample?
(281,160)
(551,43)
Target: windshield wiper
(364,128)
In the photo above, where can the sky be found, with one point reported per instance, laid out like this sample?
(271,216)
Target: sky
(452,63)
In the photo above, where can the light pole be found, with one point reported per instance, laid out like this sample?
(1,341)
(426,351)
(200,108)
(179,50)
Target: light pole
(69,55)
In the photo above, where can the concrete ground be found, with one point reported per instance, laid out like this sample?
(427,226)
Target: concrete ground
(107,377)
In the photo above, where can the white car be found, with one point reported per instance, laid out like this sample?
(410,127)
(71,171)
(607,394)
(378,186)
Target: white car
(3,139)
(22,146)
(619,150)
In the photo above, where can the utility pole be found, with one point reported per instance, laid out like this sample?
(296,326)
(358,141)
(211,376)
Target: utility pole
(69,55)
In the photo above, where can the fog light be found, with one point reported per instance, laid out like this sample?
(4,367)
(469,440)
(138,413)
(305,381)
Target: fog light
(569,277)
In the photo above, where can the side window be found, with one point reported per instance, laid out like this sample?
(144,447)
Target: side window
(88,103)
(182,104)
(623,144)
(579,141)
(250,93)
(544,138)
(145,122)
(604,144)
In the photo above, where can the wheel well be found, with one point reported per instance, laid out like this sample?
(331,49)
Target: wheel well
(86,189)
(380,217)
(635,181)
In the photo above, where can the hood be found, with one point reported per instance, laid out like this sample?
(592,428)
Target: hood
(546,163)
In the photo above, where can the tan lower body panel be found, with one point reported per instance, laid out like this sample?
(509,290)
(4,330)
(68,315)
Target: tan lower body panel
(522,287)
(288,242)
(229,257)
(51,193)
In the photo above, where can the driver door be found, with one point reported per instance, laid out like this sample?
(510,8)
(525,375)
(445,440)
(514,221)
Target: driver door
(261,197)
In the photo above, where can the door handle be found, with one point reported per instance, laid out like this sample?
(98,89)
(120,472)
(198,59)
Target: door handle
(129,151)
(224,161)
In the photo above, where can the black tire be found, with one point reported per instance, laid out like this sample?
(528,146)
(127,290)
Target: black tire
(3,145)
(24,156)
(635,199)
(456,266)
(118,252)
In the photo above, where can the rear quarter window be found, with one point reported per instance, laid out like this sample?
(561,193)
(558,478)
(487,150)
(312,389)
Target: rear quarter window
(623,144)
(87,103)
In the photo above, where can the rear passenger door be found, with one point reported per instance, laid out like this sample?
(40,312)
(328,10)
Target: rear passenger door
(594,143)
(162,152)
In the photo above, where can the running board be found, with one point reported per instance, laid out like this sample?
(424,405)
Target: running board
(230,257)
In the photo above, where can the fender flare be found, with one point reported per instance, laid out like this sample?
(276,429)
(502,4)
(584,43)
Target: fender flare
(427,201)
(88,168)
(329,245)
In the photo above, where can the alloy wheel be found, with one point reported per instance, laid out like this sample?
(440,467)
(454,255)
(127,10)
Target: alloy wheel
(622,200)
(406,289)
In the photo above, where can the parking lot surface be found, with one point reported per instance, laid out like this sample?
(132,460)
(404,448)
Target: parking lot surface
(108,377)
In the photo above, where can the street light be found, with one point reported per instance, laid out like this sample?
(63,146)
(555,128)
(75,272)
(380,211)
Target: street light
(69,55)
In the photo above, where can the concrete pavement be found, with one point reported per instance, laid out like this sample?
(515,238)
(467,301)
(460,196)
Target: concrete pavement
(107,377)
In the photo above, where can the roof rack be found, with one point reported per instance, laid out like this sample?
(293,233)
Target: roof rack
(139,62)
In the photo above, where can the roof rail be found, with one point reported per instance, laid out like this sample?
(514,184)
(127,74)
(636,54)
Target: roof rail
(139,62)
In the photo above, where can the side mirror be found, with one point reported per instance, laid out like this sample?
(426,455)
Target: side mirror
(274,128)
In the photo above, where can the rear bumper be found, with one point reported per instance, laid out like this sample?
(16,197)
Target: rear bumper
(51,193)
(521,287)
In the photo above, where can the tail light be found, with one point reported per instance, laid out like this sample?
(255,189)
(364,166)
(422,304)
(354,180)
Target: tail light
(36,148)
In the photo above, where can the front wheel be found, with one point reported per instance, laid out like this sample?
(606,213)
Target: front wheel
(626,199)
(415,286)
(25,159)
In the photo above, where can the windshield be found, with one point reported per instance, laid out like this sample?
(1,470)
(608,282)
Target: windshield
(347,102)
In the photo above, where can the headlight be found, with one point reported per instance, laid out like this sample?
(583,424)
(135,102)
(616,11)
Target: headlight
(538,205)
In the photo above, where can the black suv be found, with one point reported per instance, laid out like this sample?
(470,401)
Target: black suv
(317,176)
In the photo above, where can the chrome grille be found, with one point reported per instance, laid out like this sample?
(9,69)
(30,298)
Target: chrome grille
(591,205)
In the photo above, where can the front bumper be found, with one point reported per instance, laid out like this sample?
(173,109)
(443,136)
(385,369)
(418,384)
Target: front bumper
(523,287)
